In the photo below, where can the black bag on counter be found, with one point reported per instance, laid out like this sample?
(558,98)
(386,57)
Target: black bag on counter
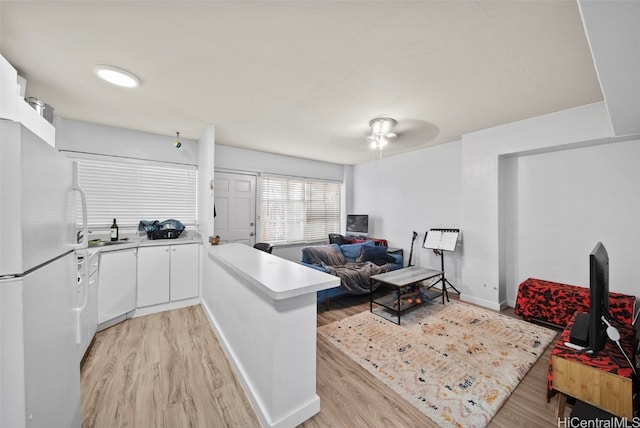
(168,229)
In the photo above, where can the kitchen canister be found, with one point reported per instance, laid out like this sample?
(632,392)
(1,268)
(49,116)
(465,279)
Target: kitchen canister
(43,109)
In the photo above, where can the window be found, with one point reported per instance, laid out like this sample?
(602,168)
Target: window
(131,190)
(297,210)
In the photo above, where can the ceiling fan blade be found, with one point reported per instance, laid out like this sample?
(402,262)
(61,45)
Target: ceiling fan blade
(415,131)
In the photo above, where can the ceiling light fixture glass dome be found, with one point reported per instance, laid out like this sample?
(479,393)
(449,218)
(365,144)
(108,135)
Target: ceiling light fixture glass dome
(116,76)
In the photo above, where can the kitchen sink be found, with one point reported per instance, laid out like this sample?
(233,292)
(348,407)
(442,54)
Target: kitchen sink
(115,242)
(107,243)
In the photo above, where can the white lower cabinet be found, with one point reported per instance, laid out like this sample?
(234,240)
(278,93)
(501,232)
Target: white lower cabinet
(184,272)
(167,274)
(153,275)
(117,284)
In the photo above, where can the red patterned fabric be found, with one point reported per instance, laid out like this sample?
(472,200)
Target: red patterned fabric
(610,359)
(377,241)
(556,303)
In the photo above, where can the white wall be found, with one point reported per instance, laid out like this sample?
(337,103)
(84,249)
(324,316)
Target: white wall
(521,193)
(415,191)
(86,137)
(483,274)
(569,200)
(243,160)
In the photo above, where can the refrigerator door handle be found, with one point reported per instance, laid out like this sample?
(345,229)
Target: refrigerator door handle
(84,242)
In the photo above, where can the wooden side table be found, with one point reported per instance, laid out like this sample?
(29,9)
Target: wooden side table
(603,380)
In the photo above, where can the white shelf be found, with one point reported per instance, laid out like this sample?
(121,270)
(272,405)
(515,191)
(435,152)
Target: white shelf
(14,107)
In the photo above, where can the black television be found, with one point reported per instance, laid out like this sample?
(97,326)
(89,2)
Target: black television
(599,296)
(589,330)
(358,224)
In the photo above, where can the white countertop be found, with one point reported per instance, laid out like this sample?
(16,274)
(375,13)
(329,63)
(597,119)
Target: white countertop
(277,277)
(138,240)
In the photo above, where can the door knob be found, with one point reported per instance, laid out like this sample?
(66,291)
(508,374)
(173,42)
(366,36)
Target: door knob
(251,224)
(251,234)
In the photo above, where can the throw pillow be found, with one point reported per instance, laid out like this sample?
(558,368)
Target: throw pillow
(377,255)
(327,254)
(352,251)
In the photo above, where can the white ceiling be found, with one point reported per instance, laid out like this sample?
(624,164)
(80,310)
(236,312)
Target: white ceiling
(303,78)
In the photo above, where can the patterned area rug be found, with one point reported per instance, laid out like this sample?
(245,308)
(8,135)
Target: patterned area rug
(456,363)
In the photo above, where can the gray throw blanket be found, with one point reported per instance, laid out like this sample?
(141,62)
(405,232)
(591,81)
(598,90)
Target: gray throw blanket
(355,276)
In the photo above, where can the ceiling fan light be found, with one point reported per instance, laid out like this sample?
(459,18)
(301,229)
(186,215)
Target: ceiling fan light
(382,125)
(381,132)
(116,76)
(377,141)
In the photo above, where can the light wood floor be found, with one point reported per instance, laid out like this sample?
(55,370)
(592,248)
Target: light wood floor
(168,370)
(161,370)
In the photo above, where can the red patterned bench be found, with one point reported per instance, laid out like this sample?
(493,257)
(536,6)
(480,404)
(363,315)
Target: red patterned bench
(555,303)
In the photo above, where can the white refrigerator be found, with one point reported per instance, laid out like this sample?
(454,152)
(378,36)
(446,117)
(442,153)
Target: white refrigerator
(39,367)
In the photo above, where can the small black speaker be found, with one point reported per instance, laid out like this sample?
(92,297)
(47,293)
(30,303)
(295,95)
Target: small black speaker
(580,330)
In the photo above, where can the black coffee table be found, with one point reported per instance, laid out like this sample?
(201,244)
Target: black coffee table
(398,280)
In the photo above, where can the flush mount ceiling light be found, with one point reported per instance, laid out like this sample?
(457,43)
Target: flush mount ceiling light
(116,76)
(381,132)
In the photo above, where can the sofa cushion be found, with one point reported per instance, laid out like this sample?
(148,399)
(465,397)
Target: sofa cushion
(377,255)
(352,251)
(327,254)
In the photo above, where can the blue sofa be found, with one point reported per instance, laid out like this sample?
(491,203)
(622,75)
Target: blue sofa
(351,252)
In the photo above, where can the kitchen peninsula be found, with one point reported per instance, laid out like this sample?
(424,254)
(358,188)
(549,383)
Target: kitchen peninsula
(263,310)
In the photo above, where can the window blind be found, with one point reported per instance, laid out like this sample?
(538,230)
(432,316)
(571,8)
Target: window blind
(298,210)
(130,191)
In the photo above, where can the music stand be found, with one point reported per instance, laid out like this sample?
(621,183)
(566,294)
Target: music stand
(441,240)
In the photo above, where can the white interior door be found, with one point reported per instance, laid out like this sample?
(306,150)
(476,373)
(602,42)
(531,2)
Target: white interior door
(235,202)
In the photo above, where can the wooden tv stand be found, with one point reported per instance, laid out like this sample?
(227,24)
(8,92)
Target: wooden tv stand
(601,381)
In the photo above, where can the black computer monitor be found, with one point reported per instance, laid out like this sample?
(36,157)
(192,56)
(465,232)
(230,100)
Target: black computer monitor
(358,224)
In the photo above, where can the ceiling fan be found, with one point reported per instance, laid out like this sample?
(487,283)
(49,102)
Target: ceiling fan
(386,133)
